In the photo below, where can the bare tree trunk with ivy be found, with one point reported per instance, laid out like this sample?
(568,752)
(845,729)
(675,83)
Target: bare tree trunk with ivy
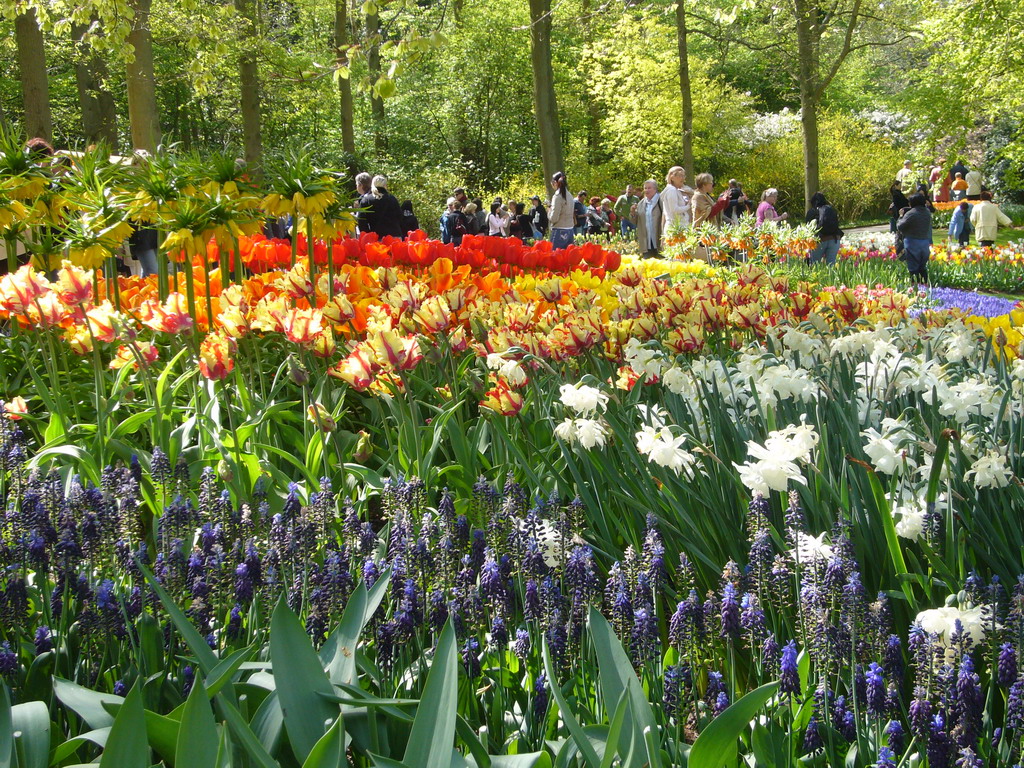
(99,114)
(380,139)
(34,84)
(142,106)
(684,88)
(249,82)
(545,102)
(341,43)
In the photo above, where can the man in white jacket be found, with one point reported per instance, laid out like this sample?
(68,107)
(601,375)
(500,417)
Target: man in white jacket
(986,218)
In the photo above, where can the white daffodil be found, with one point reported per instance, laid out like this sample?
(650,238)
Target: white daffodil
(583,399)
(990,471)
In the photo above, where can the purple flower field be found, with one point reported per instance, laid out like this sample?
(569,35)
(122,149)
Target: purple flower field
(972,302)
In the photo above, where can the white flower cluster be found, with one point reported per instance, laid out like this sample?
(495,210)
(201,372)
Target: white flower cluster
(509,369)
(586,428)
(778,460)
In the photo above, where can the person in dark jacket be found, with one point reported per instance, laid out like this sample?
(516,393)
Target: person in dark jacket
(409,221)
(458,223)
(916,227)
(366,202)
(899,202)
(521,226)
(388,217)
(143,246)
(539,219)
(829,234)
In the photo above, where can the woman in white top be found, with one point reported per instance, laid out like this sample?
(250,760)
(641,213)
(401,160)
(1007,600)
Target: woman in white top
(561,215)
(676,201)
(497,223)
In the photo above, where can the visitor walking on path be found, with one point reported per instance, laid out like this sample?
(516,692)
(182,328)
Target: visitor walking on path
(766,209)
(579,209)
(986,218)
(562,214)
(366,201)
(975,183)
(829,234)
(916,227)
(676,201)
(960,224)
(650,213)
(597,219)
(409,221)
(737,202)
(959,187)
(623,207)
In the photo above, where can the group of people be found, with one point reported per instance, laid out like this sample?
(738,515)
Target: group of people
(942,185)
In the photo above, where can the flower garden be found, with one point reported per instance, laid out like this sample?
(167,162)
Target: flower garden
(386,503)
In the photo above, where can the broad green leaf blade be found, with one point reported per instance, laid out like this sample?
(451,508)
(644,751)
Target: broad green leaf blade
(226,669)
(303,688)
(618,677)
(327,752)
(716,745)
(87,704)
(197,738)
(33,721)
(614,730)
(338,653)
(528,760)
(575,729)
(433,730)
(69,747)
(127,745)
(386,762)
(6,728)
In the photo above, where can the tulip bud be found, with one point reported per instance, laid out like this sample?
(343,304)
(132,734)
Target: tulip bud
(297,372)
(320,416)
(224,471)
(364,448)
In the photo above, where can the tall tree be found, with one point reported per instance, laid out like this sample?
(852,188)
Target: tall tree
(685,91)
(545,102)
(143,113)
(813,42)
(34,83)
(249,83)
(377,113)
(99,114)
(341,44)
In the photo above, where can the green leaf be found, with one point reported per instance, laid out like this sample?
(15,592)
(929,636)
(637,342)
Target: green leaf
(327,752)
(891,539)
(68,748)
(386,762)
(127,744)
(6,728)
(579,736)
(339,651)
(33,721)
(433,730)
(618,678)
(225,670)
(527,760)
(716,745)
(87,704)
(197,737)
(302,684)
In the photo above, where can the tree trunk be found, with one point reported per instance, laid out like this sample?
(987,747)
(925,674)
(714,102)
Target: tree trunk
(807,75)
(348,132)
(249,83)
(380,139)
(34,85)
(545,103)
(142,107)
(99,114)
(684,89)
